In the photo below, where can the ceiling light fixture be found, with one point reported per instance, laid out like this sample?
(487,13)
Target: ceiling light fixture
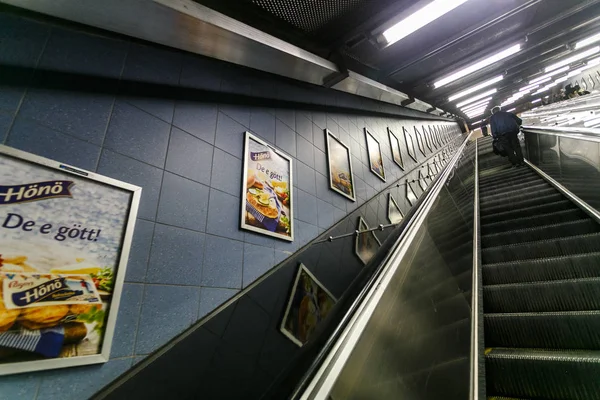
(477,103)
(467,111)
(475,88)
(550,75)
(572,59)
(511,110)
(587,41)
(419,19)
(475,98)
(474,110)
(479,65)
(477,114)
(534,85)
(536,101)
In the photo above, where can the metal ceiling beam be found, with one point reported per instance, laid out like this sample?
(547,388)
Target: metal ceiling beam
(189,26)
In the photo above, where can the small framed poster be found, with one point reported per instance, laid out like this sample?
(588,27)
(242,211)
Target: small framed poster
(410,194)
(65,237)
(366,244)
(375,157)
(394,214)
(395,146)
(410,144)
(427,136)
(420,143)
(310,302)
(339,163)
(267,190)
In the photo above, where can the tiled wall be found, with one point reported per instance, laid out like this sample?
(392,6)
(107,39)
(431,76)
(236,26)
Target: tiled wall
(67,95)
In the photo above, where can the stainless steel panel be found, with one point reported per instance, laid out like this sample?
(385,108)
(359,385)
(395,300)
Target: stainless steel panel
(549,154)
(363,86)
(580,169)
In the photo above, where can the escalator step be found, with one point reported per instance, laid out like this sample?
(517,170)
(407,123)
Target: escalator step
(514,189)
(553,330)
(511,181)
(499,200)
(528,211)
(565,295)
(495,175)
(508,194)
(515,205)
(563,229)
(543,374)
(543,248)
(543,269)
(530,222)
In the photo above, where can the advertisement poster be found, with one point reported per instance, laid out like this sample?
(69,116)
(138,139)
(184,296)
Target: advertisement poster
(366,244)
(395,145)
(394,213)
(375,157)
(341,179)
(64,243)
(267,186)
(309,304)
(410,144)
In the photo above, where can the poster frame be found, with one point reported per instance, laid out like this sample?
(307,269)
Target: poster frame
(363,223)
(247,136)
(392,202)
(367,134)
(390,135)
(410,144)
(301,267)
(328,136)
(121,268)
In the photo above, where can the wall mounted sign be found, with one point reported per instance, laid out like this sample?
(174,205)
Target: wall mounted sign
(309,304)
(339,163)
(420,141)
(366,244)
(375,157)
(394,213)
(410,144)
(395,146)
(65,236)
(267,190)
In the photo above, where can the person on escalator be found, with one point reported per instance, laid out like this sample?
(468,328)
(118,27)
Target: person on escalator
(505,128)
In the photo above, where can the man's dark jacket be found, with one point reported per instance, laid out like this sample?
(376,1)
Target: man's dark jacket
(504,122)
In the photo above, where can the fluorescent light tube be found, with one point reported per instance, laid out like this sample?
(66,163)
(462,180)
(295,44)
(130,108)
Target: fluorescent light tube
(550,75)
(466,111)
(563,79)
(476,111)
(572,59)
(476,114)
(475,88)
(477,103)
(587,41)
(512,109)
(535,85)
(479,65)
(591,122)
(419,19)
(475,98)
(536,100)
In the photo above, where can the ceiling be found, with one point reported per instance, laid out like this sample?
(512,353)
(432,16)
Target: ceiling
(346,32)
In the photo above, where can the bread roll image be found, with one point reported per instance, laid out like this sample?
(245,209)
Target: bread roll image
(78,309)
(43,316)
(75,332)
(7,317)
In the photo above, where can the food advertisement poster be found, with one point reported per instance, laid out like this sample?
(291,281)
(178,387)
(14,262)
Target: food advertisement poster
(64,243)
(367,243)
(395,145)
(341,178)
(394,213)
(267,186)
(375,157)
(309,304)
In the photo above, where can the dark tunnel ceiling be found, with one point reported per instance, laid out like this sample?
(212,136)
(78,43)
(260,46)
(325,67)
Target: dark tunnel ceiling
(342,31)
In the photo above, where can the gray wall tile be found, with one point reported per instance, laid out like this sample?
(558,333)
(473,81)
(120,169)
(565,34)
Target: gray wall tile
(226,173)
(257,261)
(262,123)
(304,127)
(306,178)
(22,386)
(189,157)
(139,253)
(21,41)
(285,138)
(127,320)
(223,263)
(305,151)
(224,215)
(5,122)
(183,203)
(197,118)
(230,136)
(177,256)
(211,298)
(307,207)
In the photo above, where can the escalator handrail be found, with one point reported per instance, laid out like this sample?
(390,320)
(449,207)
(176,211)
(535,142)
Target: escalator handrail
(590,134)
(317,383)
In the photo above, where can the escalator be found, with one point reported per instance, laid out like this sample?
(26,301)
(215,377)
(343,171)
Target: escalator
(540,258)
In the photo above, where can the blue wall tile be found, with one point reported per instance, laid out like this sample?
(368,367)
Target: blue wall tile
(183,203)
(224,215)
(223,263)
(320,162)
(29,136)
(226,173)
(257,261)
(152,64)
(80,381)
(189,156)
(262,123)
(211,298)
(323,191)
(305,233)
(197,118)
(127,169)
(127,320)
(138,134)
(22,387)
(5,121)
(160,305)
(285,138)
(139,253)
(305,151)
(83,115)
(304,127)
(10,97)
(230,136)
(21,41)
(177,256)
(81,53)
(306,178)
(200,73)
(307,207)
(319,138)
(325,213)
(160,108)
(286,116)
(240,114)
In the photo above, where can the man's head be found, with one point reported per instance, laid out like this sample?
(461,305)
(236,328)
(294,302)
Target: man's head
(495,109)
